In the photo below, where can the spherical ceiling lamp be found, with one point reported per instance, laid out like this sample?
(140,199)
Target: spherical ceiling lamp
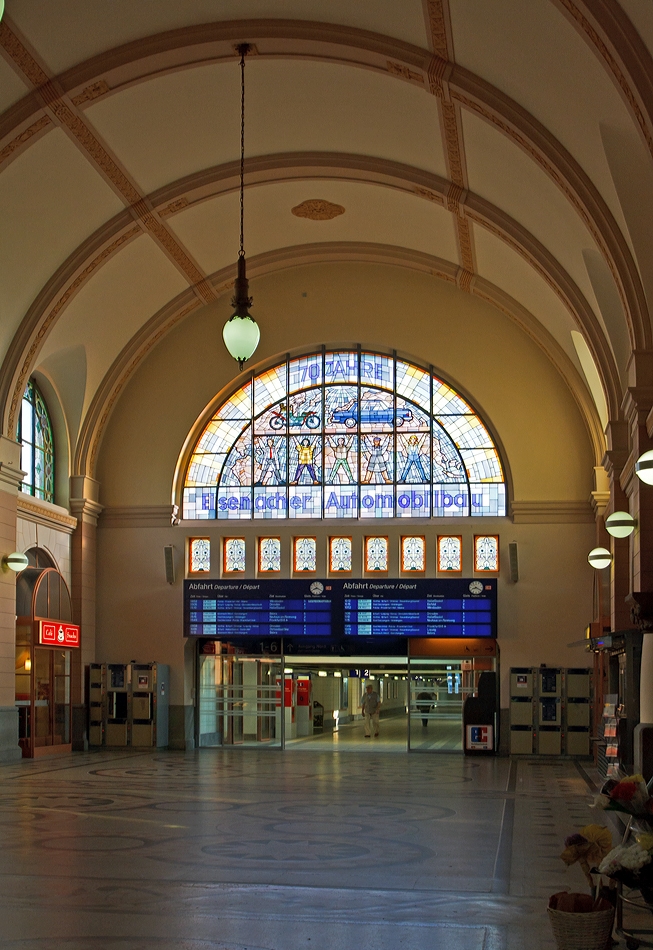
(15,562)
(620,524)
(599,558)
(241,333)
(644,467)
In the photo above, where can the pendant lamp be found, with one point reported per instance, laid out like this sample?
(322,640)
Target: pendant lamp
(241,333)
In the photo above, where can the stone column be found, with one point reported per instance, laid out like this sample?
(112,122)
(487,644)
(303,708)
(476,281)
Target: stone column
(11,477)
(637,411)
(86,508)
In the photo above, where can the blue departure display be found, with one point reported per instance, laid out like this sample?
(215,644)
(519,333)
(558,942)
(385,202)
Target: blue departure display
(334,610)
(432,616)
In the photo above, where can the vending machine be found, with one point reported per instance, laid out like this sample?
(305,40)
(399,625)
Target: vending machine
(150,688)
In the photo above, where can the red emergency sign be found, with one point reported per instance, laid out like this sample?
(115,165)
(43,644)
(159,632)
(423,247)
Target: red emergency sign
(57,634)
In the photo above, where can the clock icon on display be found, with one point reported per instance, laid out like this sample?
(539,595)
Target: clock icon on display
(317,588)
(475,587)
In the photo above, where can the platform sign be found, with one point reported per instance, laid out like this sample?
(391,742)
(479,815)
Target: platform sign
(480,738)
(55,633)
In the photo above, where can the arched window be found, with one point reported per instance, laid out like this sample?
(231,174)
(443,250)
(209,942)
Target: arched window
(37,444)
(349,434)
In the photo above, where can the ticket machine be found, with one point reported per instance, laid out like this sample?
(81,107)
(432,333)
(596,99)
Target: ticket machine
(304,715)
(149,704)
(116,728)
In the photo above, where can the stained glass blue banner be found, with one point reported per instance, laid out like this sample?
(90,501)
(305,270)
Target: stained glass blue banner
(344,434)
(337,609)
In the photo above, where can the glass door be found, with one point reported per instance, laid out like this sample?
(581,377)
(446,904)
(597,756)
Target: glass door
(437,690)
(239,701)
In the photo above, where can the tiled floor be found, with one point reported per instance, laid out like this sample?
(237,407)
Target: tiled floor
(270,851)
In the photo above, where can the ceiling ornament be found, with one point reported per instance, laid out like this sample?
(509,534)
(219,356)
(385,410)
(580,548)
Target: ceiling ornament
(94,91)
(317,209)
(404,72)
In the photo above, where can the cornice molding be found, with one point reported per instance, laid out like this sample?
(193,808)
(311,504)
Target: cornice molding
(86,510)
(552,512)
(137,516)
(144,59)
(127,362)
(43,513)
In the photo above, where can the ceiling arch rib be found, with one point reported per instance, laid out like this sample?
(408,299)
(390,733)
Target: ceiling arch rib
(127,362)
(136,62)
(608,31)
(51,304)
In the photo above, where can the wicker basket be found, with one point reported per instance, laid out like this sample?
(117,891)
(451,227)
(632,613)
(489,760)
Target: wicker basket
(589,931)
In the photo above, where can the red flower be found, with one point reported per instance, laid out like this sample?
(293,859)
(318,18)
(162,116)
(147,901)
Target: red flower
(624,791)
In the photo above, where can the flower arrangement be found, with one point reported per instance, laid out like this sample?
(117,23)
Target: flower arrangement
(629,795)
(587,847)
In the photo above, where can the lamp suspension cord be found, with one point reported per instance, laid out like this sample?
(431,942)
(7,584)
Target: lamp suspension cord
(241,252)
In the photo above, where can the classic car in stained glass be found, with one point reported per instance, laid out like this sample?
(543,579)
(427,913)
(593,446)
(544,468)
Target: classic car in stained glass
(344,434)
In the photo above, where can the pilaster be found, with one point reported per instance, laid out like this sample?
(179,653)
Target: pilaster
(86,508)
(11,477)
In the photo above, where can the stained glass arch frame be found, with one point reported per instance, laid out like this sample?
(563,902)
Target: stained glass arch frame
(340,433)
(36,437)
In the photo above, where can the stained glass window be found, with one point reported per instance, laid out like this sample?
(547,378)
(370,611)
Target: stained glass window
(486,552)
(234,555)
(269,554)
(37,444)
(199,555)
(450,553)
(376,554)
(340,554)
(413,553)
(344,434)
(305,554)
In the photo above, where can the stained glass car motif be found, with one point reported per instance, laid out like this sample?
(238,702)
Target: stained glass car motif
(371,411)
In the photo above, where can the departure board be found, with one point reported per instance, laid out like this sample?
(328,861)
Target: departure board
(228,609)
(336,610)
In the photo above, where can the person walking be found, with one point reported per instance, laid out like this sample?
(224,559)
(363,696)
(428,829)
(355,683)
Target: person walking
(371,706)
(424,704)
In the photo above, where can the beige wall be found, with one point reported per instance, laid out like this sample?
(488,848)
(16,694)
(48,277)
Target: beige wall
(505,374)
(507,377)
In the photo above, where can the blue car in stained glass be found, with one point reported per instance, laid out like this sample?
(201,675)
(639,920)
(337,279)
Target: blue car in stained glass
(371,411)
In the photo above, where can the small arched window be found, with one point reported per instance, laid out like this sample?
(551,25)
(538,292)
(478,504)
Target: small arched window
(37,444)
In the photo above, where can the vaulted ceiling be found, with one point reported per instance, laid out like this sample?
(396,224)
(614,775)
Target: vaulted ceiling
(503,146)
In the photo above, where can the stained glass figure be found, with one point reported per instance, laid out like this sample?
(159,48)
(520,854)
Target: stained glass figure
(269,555)
(486,552)
(376,554)
(305,457)
(340,554)
(413,553)
(270,460)
(412,452)
(450,553)
(37,444)
(200,555)
(234,555)
(304,554)
(341,434)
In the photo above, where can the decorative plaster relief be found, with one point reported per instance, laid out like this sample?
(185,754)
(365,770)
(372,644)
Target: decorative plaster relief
(317,210)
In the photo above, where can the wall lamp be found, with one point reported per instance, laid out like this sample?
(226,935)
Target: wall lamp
(15,562)
(620,524)
(599,558)
(644,467)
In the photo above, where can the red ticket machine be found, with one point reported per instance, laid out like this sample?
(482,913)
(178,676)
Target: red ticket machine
(304,707)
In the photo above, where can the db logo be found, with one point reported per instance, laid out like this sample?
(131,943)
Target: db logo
(60,635)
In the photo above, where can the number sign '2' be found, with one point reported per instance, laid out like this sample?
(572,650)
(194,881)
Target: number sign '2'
(57,634)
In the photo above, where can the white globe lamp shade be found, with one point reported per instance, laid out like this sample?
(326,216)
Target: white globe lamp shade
(644,467)
(620,524)
(599,558)
(15,562)
(241,336)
